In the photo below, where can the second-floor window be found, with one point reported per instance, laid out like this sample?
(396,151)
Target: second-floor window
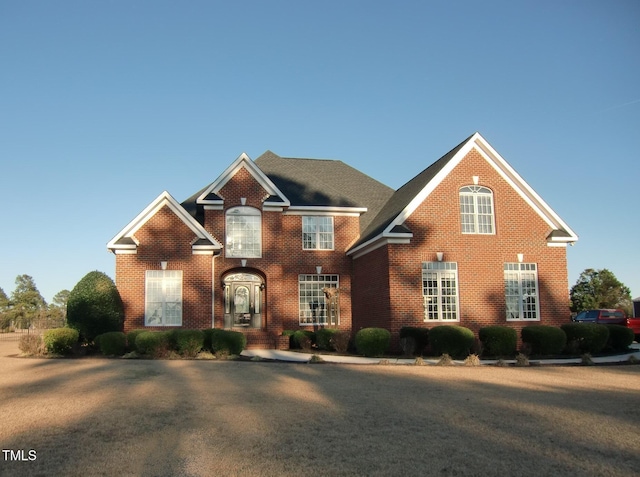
(317,233)
(244,232)
(476,210)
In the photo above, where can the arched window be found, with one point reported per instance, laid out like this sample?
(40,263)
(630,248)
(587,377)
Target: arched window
(244,232)
(476,210)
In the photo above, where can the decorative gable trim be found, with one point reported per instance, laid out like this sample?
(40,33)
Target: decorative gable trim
(125,242)
(210,197)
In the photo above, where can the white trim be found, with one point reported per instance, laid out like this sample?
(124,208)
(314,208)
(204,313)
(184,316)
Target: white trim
(242,161)
(325,210)
(164,199)
(378,242)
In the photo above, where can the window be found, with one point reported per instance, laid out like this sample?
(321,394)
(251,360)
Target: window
(244,233)
(319,300)
(440,291)
(476,210)
(317,233)
(521,291)
(163,298)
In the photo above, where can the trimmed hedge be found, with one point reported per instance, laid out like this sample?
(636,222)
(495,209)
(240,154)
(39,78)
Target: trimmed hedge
(372,341)
(131,339)
(498,340)
(544,340)
(299,338)
(188,342)
(620,337)
(227,341)
(60,340)
(112,343)
(453,340)
(587,337)
(420,337)
(152,343)
(323,338)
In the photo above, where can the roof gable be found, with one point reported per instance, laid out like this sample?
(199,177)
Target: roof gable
(125,242)
(408,197)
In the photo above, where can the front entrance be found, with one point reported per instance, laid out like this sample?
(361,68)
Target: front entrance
(243,300)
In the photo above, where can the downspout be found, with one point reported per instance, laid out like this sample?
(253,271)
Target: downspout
(213,289)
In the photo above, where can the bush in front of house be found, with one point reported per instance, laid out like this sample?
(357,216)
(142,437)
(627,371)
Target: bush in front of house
(60,340)
(303,339)
(131,339)
(112,343)
(372,341)
(227,341)
(586,337)
(188,342)
(323,338)
(420,337)
(340,341)
(31,345)
(153,343)
(620,337)
(498,340)
(544,340)
(453,340)
(94,306)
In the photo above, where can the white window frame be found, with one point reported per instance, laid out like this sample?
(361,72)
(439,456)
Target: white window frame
(243,232)
(440,292)
(312,302)
(163,298)
(477,214)
(522,293)
(317,232)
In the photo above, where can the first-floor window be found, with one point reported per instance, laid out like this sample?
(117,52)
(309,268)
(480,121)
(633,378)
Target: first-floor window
(163,298)
(318,299)
(440,291)
(521,291)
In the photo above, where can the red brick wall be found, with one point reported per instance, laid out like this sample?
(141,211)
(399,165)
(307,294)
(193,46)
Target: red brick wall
(436,228)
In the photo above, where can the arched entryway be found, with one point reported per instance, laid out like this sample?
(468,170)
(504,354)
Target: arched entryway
(243,300)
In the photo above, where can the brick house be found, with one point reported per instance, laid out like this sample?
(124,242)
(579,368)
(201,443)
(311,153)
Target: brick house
(285,243)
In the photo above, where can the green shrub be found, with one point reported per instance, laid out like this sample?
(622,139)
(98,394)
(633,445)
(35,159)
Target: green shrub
(31,345)
(188,342)
(340,341)
(544,340)
(323,338)
(112,343)
(94,306)
(226,341)
(153,343)
(131,339)
(586,337)
(419,335)
(302,339)
(289,333)
(620,337)
(498,340)
(60,340)
(372,341)
(453,340)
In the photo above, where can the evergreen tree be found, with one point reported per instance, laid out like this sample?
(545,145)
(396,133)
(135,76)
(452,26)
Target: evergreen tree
(599,289)
(27,303)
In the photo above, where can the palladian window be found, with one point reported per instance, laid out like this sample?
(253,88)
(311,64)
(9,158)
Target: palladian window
(476,210)
(244,233)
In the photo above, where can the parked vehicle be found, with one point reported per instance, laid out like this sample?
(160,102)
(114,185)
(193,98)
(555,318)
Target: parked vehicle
(609,317)
(634,324)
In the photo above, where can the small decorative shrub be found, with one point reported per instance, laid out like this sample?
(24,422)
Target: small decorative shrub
(227,342)
(420,338)
(585,360)
(289,333)
(498,340)
(445,360)
(112,343)
(522,360)
(620,337)
(188,342)
(472,360)
(131,339)
(419,361)
(544,340)
(372,341)
(340,341)
(153,343)
(323,338)
(303,339)
(453,340)
(315,359)
(60,340)
(31,345)
(588,337)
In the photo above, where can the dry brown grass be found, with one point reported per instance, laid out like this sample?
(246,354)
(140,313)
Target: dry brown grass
(120,417)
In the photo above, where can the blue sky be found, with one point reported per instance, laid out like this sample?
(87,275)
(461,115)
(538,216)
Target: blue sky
(105,104)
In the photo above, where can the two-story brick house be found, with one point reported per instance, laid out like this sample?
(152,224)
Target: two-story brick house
(283,243)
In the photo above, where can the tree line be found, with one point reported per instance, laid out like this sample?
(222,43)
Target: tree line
(26,307)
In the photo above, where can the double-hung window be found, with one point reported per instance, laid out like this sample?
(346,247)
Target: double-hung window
(318,299)
(440,291)
(244,232)
(476,210)
(163,298)
(521,291)
(317,233)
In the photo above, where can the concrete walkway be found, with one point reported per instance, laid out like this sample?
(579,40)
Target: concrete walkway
(300,357)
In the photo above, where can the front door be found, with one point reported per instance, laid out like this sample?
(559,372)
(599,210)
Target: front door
(243,300)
